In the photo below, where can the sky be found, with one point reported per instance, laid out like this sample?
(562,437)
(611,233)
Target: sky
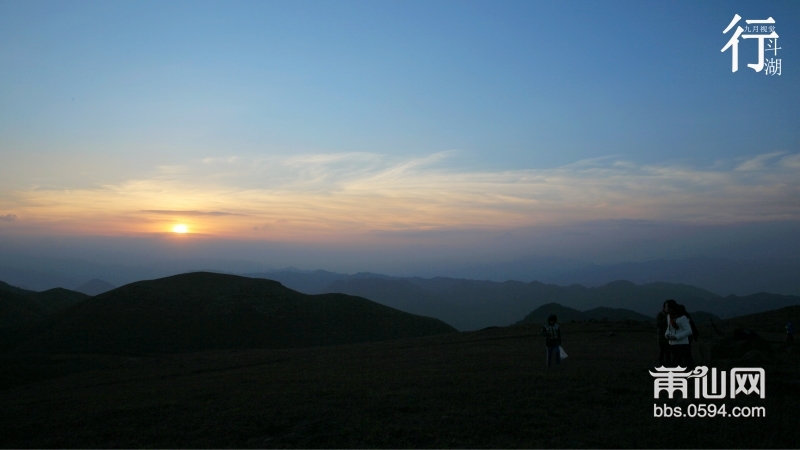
(397,135)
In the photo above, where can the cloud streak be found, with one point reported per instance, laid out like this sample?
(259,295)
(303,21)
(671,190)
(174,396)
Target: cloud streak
(172,212)
(317,196)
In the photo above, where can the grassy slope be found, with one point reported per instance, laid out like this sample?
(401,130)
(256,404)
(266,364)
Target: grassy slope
(479,389)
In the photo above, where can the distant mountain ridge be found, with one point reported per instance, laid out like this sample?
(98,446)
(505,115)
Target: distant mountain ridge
(473,304)
(95,287)
(720,276)
(312,281)
(566,314)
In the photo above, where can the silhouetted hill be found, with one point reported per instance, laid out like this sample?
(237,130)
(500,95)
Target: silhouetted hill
(307,282)
(19,310)
(565,314)
(473,304)
(19,307)
(14,289)
(614,315)
(199,311)
(95,287)
(58,299)
(539,315)
(703,317)
(769,321)
(734,306)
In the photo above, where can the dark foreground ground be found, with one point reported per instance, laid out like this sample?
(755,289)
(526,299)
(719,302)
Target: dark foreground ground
(469,390)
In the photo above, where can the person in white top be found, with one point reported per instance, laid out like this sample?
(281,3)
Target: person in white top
(553,340)
(678,331)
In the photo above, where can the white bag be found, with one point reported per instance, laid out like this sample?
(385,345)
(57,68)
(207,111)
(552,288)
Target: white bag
(561,352)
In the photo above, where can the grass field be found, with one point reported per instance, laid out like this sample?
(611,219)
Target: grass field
(481,389)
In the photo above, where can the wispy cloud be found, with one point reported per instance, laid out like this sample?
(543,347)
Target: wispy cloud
(173,212)
(8,218)
(759,162)
(320,195)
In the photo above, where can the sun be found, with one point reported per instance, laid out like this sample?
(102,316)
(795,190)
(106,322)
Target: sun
(180,229)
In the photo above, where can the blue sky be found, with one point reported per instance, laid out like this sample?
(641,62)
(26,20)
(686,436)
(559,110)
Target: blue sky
(313,122)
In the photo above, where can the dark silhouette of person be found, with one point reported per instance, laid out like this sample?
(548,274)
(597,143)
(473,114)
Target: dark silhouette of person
(552,335)
(790,333)
(664,351)
(678,332)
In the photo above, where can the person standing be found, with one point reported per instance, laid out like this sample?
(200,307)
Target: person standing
(664,353)
(552,335)
(678,331)
(789,333)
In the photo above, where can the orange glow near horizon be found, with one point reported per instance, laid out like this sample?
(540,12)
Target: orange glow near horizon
(314,201)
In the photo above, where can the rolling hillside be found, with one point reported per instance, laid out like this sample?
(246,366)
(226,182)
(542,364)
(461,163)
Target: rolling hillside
(199,311)
(20,307)
(768,321)
(565,314)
